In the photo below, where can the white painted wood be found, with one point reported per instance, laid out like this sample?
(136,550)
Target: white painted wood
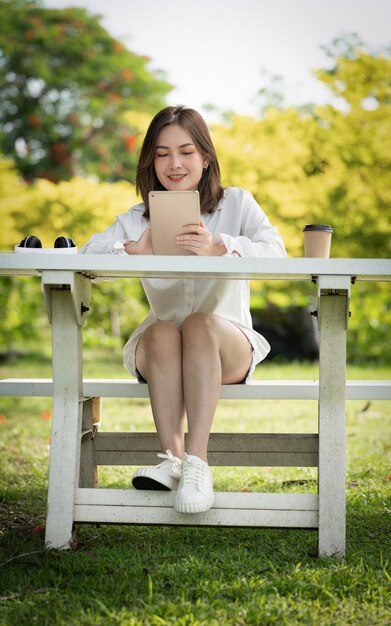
(35,387)
(79,288)
(227,500)
(214,517)
(66,420)
(332,462)
(256,390)
(230,509)
(104,265)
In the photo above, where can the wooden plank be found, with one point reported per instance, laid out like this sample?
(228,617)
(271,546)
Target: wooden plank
(332,367)
(35,387)
(272,389)
(230,509)
(218,442)
(66,421)
(230,500)
(106,266)
(258,389)
(226,459)
(88,467)
(225,449)
(220,517)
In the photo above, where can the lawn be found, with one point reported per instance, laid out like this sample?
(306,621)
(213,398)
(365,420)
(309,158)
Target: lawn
(150,576)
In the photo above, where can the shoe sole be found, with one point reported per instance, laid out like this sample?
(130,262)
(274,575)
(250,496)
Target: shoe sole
(193,507)
(149,484)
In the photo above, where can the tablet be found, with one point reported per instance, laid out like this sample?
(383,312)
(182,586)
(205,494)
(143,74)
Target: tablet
(169,211)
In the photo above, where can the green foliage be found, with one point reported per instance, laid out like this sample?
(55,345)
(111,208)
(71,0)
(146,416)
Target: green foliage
(330,166)
(325,165)
(23,315)
(76,209)
(65,84)
(117,308)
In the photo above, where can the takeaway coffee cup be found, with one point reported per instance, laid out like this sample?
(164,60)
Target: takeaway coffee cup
(317,240)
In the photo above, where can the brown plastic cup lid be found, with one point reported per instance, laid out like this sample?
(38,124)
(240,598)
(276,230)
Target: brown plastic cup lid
(324,227)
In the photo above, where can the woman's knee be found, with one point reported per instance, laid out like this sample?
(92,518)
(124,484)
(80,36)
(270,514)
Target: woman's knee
(198,328)
(160,337)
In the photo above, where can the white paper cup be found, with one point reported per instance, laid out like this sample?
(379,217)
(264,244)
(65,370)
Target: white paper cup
(317,240)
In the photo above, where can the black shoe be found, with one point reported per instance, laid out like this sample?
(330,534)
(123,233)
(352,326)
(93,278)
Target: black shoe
(64,242)
(30,242)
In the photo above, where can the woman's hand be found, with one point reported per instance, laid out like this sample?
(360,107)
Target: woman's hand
(142,246)
(197,239)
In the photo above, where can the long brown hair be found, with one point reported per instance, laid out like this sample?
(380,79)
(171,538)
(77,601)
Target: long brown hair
(209,187)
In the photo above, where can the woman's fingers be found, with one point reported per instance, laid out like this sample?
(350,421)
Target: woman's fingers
(195,238)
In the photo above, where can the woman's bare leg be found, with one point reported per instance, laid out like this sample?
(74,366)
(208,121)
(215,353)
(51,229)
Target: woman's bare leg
(214,352)
(159,361)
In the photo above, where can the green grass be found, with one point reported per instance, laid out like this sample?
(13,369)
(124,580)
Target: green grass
(151,576)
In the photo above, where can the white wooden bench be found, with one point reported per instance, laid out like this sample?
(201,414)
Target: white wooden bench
(225,449)
(78,448)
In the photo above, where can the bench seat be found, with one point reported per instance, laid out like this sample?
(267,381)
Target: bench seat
(257,389)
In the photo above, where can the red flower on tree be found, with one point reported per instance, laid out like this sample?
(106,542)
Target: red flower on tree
(34,120)
(130,142)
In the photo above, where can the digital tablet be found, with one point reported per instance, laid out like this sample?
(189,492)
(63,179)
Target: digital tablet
(169,211)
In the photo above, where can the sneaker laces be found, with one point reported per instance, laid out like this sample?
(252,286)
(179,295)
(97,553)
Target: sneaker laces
(192,473)
(169,459)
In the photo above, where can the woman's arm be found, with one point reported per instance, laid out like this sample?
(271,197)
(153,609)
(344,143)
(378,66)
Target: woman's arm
(130,234)
(106,242)
(243,229)
(257,238)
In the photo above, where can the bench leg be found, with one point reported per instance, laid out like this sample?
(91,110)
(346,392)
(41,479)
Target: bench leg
(332,461)
(66,423)
(89,475)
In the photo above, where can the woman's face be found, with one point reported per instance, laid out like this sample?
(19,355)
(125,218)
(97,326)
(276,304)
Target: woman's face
(178,163)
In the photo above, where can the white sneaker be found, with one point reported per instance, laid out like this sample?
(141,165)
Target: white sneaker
(195,491)
(162,477)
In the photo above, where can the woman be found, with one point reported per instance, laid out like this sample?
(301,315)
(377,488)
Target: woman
(198,334)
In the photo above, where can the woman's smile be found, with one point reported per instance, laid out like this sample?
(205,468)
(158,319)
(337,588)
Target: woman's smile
(176,178)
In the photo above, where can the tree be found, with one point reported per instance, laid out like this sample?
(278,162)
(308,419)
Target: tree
(76,208)
(325,165)
(358,143)
(65,84)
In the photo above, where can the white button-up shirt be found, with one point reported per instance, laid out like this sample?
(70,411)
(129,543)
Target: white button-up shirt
(245,230)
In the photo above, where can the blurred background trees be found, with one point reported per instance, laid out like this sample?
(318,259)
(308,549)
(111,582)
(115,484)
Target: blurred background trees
(75,104)
(65,84)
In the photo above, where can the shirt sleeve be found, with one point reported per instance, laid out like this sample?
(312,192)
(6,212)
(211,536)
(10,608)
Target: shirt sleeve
(112,240)
(257,238)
